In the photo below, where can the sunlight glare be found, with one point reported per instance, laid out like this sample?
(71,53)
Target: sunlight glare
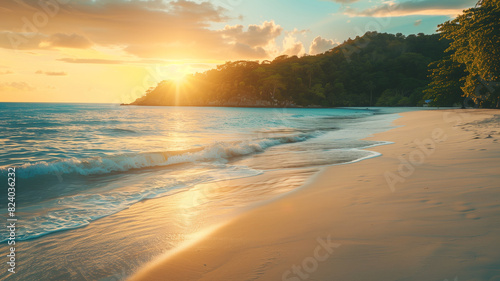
(178,73)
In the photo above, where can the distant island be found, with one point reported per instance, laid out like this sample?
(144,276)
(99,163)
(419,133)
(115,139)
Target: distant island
(459,65)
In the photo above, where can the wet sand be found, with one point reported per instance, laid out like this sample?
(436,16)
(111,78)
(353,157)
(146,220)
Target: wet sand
(427,209)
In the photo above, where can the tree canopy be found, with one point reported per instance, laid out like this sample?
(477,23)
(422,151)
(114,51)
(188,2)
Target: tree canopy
(374,69)
(472,65)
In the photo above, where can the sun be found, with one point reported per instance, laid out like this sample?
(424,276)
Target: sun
(178,73)
(179,80)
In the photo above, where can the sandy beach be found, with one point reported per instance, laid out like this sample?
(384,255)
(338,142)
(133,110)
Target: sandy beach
(186,140)
(427,209)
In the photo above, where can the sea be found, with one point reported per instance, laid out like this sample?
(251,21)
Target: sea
(103,189)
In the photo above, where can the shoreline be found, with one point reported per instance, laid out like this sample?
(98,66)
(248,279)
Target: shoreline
(236,106)
(165,223)
(304,107)
(389,231)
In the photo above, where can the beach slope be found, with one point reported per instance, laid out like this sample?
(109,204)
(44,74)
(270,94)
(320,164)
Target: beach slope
(427,209)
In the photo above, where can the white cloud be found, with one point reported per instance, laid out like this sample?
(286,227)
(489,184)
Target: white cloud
(257,41)
(255,35)
(293,47)
(345,1)
(410,7)
(321,45)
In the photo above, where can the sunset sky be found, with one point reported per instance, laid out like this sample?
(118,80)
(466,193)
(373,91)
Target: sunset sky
(113,50)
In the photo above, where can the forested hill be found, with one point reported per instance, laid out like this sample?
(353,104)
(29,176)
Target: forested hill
(375,69)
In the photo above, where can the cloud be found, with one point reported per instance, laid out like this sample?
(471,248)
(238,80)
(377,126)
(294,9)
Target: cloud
(257,41)
(19,86)
(296,31)
(31,41)
(249,52)
(415,7)
(255,35)
(293,47)
(201,65)
(21,40)
(97,61)
(138,26)
(321,45)
(345,1)
(52,73)
(107,61)
(145,29)
(68,41)
(6,72)
(417,22)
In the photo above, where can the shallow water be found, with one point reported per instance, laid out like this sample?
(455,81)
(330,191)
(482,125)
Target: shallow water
(91,165)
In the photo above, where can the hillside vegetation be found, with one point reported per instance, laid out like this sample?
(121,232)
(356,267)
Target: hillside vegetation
(375,69)
(458,66)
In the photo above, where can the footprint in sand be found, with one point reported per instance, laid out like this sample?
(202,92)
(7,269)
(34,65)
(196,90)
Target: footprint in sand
(466,210)
(472,216)
(431,201)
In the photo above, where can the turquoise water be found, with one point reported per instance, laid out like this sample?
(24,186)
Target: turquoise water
(77,163)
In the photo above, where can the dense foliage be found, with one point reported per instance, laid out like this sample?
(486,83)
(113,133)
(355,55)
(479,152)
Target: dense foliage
(472,65)
(375,69)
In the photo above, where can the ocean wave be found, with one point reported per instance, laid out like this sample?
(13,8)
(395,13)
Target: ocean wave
(217,152)
(347,117)
(120,131)
(78,210)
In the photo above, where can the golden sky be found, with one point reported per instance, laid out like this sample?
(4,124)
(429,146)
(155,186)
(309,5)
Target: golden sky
(113,50)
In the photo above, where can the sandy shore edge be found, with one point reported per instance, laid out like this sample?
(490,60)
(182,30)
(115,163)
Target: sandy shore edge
(427,209)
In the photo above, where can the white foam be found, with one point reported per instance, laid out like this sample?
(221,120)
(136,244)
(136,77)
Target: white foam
(217,152)
(74,211)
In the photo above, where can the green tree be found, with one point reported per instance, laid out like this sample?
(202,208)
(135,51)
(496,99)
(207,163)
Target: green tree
(445,88)
(378,62)
(475,37)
